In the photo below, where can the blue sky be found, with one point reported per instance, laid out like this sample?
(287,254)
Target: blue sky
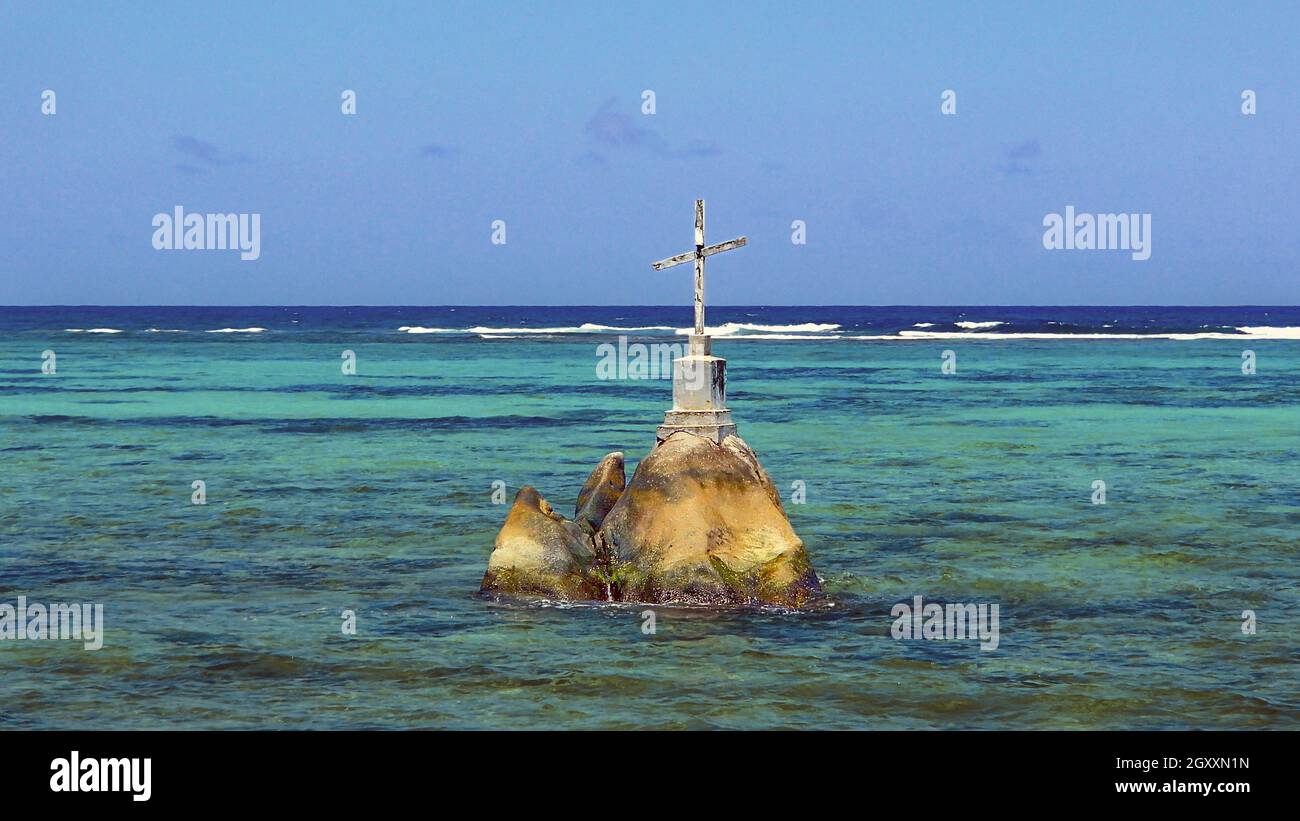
(530,113)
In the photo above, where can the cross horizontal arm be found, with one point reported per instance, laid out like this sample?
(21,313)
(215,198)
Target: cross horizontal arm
(739,242)
(671,261)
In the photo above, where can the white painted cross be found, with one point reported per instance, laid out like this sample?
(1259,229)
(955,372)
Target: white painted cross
(698,255)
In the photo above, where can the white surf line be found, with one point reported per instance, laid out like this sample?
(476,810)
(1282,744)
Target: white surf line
(729,329)
(1247,334)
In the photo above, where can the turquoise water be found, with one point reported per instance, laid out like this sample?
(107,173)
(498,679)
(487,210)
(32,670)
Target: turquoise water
(373,492)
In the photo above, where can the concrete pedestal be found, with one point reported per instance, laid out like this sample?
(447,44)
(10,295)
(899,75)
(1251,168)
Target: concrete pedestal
(699,395)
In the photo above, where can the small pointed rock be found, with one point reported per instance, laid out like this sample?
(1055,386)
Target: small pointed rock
(600,492)
(539,552)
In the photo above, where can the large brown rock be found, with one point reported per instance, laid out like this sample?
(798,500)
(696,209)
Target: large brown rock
(539,552)
(600,492)
(702,523)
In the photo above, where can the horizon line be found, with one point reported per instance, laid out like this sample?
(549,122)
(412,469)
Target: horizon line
(640,305)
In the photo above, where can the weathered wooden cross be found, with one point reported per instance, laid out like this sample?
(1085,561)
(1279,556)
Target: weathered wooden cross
(700,252)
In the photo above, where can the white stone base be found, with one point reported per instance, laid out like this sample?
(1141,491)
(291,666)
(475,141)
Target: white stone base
(716,424)
(699,395)
(699,383)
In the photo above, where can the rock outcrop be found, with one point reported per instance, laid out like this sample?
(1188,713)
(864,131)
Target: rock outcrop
(539,552)
(702,523)
(600,492)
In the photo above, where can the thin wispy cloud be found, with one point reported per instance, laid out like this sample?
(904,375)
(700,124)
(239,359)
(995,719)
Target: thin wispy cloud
(1019,157)
(616,130)
(1027,149)
(202,155)
(695,148)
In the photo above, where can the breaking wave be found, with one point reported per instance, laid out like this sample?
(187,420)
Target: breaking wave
(729,329)
(1246,332)
(788,337)
(416,329)
(584,328)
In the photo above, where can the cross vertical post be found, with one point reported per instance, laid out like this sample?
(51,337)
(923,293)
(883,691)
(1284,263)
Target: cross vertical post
(699,267)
